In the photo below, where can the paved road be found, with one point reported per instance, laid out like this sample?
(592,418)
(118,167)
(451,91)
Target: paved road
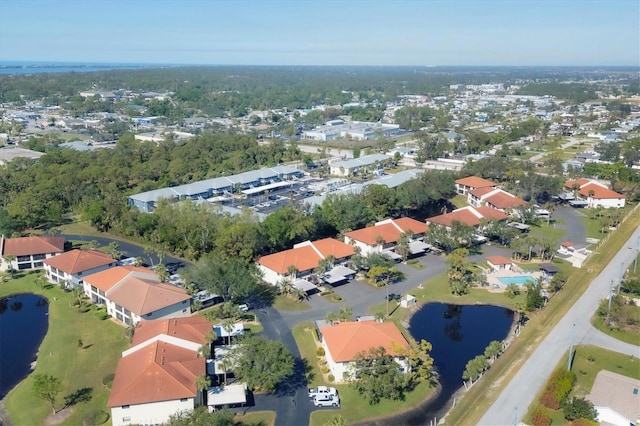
(128,249)
(516,397)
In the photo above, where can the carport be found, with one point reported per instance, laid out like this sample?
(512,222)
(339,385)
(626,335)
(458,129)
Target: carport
(304,285)
(418,247)
(225,396)
(337,274)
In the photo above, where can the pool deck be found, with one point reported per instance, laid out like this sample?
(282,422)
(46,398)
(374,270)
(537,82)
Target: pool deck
(494,284)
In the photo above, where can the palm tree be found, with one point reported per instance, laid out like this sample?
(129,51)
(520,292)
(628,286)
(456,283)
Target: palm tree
(225,365)
(10,259)
(203,382)
(292,271)
(228,325)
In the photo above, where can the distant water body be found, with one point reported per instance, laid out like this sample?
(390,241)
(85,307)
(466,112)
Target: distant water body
(12,67)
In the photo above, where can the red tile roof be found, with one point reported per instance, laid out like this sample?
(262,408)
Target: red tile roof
(303,258)
(193,329)
(489,213)
(390,231)
(156,372)
(504,200)
(599,192)
(75,261)
(346,339)
(468,215)
(25,246)
(332,247)
(583,181)
(142,296)
(409,224)
(108,278)
(498,260)
(479,192)
(306,256)
(475,182)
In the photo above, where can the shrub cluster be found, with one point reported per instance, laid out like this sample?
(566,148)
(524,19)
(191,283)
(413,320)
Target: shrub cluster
(540,418)
(320,351)
(557,389)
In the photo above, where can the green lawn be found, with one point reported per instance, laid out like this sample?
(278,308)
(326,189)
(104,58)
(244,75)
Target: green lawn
(588,362)
(549,231)
(261,418)
(459,201)
(60,356)
(629,336)
(284,303)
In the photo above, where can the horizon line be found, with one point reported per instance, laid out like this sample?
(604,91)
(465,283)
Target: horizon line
(4,62)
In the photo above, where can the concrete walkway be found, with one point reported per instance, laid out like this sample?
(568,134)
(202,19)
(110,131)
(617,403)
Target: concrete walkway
(512,404)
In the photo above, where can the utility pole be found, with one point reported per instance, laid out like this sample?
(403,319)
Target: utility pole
(573,334)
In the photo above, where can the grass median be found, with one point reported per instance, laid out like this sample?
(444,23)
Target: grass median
(475,403)
(59,355)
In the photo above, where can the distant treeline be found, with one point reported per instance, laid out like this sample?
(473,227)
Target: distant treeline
(228,89)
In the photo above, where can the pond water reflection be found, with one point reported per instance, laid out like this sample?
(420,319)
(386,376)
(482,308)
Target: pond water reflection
(23,325)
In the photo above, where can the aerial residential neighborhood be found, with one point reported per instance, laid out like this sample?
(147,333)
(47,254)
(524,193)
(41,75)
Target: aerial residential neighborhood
(265,213)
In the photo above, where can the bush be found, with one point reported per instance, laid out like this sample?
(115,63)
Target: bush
(540,418)
(102,315)
(322,361)
(108,380)
(325,293)
(557,388)
(320,351)
(579,408)
(97,418)
(331,378)
(337,297)
(324,369)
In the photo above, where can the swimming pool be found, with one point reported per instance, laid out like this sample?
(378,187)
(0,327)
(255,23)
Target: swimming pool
(522,279)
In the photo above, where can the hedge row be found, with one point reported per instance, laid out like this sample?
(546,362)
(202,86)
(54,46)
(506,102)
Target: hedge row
(557,389)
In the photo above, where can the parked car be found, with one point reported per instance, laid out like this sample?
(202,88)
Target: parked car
(326,401)
(245,307)
(322,390)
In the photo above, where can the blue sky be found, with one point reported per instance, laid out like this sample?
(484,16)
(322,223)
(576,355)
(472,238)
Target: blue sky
(324,32)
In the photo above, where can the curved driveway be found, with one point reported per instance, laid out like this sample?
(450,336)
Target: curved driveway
(575,326)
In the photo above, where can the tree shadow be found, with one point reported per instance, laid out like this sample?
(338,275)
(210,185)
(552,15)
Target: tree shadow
(80,395)
(297,380)
(87,346)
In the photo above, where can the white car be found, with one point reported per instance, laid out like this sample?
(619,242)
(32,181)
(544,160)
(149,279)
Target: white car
(244,307)
(322,391)
(326,401)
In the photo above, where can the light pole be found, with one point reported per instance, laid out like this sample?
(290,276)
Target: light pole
(621,276)
(386,284)
(635,261)
(573,333)
(609,304)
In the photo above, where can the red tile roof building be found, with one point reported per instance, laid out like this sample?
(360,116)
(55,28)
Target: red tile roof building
(305,257)
(470,183)
(28,252)
(343,341)
(156,377)
(70,267)
(495,198)
(595,193)
(133,293)
(471,216)
(384,234)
